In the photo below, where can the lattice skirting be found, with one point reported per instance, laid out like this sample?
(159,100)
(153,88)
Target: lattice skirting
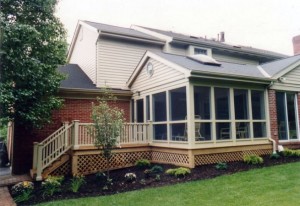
(90,161)
(88,164)
(204,159)
(64,169)
(170,158)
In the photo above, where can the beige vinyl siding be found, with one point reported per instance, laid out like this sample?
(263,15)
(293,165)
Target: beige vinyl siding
(231,59)
(163,77)
(84,53)
(290,81)
(117,59)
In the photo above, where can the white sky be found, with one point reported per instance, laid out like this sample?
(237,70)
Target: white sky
(264,24)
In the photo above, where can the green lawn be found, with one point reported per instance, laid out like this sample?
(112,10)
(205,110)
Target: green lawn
(279,185)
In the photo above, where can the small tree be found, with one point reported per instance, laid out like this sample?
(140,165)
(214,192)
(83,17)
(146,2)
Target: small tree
(108,121)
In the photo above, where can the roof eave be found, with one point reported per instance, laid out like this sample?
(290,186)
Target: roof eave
(95,91)
(131,37)
(229,77)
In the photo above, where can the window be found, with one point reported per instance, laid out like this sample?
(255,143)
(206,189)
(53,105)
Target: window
(159,115)
(200,51)
(287,115)
(140,110)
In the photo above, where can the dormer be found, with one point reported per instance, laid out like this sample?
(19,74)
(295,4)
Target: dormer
(193,50)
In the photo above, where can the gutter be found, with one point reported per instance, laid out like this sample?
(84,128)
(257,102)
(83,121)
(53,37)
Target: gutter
(94,91)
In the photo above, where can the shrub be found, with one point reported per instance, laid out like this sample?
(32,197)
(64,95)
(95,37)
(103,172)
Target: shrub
(108,183)
(253,159)
(76,182)
(221,166)
(142,163)
(52,185)
(274,156)
(22,191)
(179,172)
(130,177)
(157,178)
(288,153)
(143,182)
(156,169)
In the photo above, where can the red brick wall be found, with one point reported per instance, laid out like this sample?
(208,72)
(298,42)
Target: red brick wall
(73,109)
(273,114)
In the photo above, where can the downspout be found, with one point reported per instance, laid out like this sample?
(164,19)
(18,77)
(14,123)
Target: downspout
(274,144)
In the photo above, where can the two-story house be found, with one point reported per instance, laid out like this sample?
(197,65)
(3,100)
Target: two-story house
(188,100)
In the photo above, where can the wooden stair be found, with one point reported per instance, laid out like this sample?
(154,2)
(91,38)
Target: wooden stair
(56,164)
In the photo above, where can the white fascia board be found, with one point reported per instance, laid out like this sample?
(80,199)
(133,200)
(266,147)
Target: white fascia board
(149,55)
(286,70)
(152,33)
(75,36)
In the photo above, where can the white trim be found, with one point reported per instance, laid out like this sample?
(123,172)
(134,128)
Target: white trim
(152,33)
(263,72)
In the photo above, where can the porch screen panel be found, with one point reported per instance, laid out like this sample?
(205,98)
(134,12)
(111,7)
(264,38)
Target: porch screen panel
(202,115)
(178,112)
(147,107)
(140,110)
(258,104)
(241,103)
(222,103)
(159,107)
(202,102)
(178,104)
(159,116)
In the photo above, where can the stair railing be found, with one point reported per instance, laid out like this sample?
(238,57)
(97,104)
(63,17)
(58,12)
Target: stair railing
(52,148)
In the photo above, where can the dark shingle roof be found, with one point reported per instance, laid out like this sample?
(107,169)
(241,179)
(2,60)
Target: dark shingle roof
(201,40)
(225,69)
(274,67)
(120,30)
(76,78)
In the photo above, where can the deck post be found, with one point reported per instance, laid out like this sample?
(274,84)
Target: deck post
(39,166)
(75,133)
(66,124)
(35,155)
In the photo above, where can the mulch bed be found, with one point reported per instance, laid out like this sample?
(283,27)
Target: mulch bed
(95,188)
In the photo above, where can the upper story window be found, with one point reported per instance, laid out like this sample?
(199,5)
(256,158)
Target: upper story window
(200,51)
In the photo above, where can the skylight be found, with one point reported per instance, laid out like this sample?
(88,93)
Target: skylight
(204,59)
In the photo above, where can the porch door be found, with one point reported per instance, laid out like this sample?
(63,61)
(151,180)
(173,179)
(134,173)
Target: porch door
(287,115)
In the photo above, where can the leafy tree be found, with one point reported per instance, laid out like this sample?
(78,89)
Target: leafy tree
(108,121)
(33,44)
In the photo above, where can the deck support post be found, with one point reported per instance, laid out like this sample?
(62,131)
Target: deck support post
(39,165)
(35,155)
(75,133)
(66,124)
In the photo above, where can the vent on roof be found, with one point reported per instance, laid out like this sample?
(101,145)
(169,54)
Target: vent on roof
(204,59)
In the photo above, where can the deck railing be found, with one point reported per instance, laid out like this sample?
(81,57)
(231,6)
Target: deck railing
(78,134)
(132,133)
